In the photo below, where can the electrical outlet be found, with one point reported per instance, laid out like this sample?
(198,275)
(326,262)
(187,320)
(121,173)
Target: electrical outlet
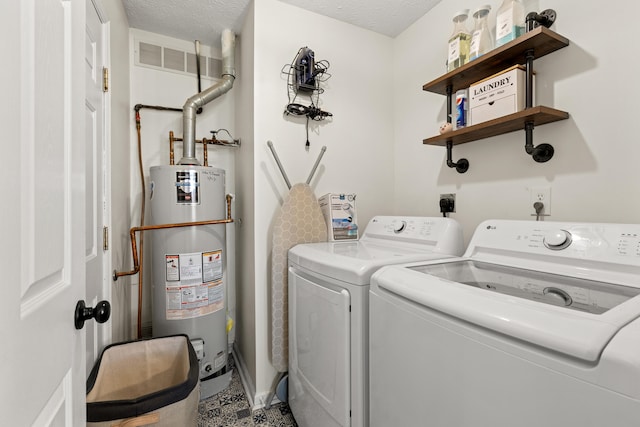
(541,194)
(448,203)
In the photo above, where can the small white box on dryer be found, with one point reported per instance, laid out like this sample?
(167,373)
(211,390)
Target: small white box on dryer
(339,212)
(499,95)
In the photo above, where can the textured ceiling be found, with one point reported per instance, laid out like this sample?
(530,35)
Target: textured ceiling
(204,20)
(388,17)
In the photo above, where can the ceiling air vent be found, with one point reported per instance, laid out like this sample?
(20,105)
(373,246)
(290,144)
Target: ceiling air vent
(150,54)
(176,61)
(215,68)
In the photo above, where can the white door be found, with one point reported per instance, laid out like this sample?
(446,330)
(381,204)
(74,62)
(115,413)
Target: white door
(98,286)
(42,214)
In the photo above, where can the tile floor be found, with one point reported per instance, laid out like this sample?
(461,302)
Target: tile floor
(231,407)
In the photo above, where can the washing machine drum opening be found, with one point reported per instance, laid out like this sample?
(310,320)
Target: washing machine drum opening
(569,292)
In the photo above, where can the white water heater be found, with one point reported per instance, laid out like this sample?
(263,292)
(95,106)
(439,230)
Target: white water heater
(189,264)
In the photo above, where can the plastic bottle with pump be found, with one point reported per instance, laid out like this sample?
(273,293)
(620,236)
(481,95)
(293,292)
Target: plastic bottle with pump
(481,40)
(459,41)
(509,21)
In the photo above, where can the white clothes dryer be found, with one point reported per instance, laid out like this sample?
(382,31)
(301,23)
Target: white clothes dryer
(329,316)
(538,324)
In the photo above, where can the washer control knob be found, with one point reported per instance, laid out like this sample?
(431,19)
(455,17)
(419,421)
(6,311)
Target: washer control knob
(557,239)
(399,228)
(558,296)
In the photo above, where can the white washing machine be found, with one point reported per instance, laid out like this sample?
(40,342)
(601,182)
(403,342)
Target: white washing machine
(328,312)
(536,325)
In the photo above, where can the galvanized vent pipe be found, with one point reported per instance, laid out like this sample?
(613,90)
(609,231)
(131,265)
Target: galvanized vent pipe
(198,100)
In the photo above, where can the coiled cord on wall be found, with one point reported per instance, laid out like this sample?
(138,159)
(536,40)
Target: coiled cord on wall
(312,112)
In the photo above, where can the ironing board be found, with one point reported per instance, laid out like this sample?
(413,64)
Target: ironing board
(299,220)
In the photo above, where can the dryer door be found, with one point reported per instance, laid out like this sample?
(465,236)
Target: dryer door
(319,352)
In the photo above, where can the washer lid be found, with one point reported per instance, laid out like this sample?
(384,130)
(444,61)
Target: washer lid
(578,318)
(355,262)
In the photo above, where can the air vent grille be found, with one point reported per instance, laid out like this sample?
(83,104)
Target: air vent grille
(215,68)
(150,54)
(174,60)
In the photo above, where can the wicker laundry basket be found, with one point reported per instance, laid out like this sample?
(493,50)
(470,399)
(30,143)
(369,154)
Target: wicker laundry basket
(145,382)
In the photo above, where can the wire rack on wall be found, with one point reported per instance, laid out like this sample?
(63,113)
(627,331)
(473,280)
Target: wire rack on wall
(305,77)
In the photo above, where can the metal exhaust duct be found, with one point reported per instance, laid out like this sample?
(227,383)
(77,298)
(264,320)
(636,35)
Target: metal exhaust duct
(200,99)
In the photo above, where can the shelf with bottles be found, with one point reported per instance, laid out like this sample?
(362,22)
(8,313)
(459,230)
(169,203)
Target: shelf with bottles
(541,40)
(538,41)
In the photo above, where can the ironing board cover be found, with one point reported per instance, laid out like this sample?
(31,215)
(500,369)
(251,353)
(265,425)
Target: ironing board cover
(299,220)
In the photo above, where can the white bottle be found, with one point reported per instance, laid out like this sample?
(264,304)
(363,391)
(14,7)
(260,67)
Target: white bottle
(459,41)
(481,40)
(509,21)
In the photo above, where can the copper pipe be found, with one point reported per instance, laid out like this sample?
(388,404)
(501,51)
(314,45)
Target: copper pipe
(204,143)
(137,265)
(229,197)
(142,213)
(137,109)
(171,139)
(134,230)
(204,152)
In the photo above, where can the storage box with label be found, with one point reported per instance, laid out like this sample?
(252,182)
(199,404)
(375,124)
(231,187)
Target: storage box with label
(339,212)
(498,95)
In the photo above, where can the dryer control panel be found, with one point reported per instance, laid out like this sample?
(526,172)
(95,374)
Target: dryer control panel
(438,233)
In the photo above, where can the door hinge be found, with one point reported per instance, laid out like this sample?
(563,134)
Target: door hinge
(105,238)
(105,79)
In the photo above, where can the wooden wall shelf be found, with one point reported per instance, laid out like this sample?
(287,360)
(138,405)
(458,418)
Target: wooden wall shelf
(542,40)
(538,115)
(532,45)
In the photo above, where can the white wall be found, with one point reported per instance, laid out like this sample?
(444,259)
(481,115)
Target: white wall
(359,139)
(119,158)
(168,89)
(245,213)
(592,175)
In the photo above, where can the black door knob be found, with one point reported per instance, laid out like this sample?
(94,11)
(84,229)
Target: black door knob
(101,313)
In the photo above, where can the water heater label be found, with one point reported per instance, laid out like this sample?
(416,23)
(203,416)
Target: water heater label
(190,268)
(211,266)
(173,267)
(193,284)
(187,188)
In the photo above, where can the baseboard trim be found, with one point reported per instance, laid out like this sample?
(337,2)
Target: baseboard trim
(245,378)
(256,401)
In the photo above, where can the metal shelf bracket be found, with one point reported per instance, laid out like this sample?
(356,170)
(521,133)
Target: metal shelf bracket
(543,152)
(461,165)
